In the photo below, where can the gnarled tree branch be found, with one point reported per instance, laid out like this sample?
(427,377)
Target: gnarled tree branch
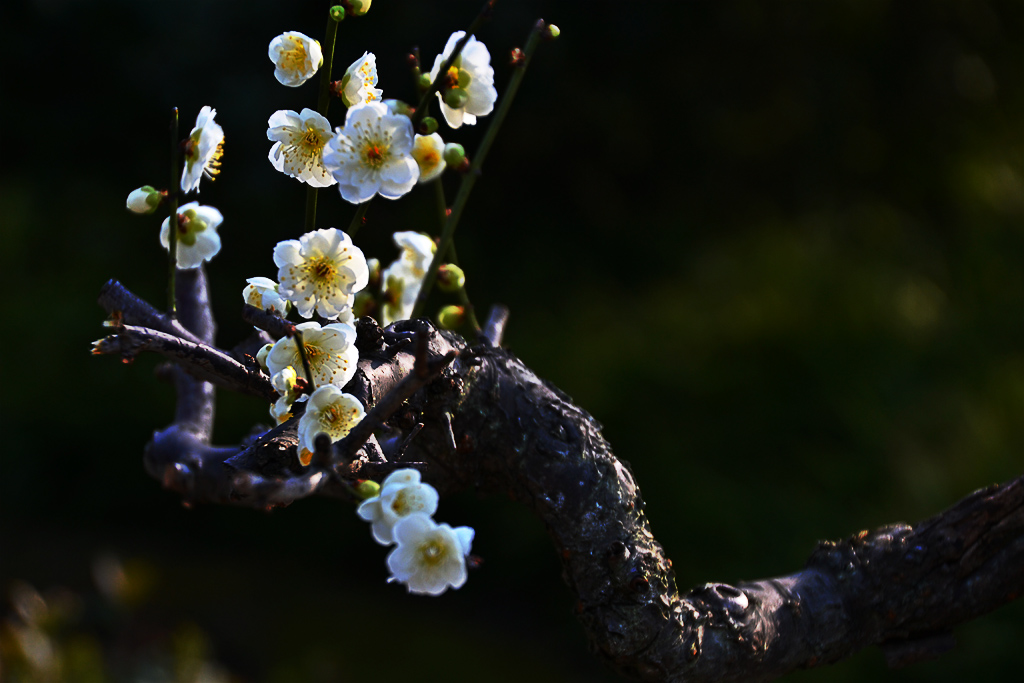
(482,419)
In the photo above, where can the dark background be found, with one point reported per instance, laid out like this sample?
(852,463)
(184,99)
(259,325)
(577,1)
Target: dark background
(775,247)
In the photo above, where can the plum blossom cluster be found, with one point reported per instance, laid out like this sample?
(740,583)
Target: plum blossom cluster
(428,557)
(375,151)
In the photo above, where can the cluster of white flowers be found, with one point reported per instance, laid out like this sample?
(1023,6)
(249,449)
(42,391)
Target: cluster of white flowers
(428,557)
(375,151)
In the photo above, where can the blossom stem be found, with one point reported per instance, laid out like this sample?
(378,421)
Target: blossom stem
(322,104)
(300,346)
(172,248)
(442,73)
(470,176)
(462,294)
(357,219)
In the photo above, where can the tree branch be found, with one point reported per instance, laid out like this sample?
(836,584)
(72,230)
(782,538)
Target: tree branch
(482,419)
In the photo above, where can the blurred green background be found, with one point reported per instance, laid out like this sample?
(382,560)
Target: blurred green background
(775,248)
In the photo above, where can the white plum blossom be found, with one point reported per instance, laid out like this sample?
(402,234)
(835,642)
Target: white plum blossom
(330,351)
(198,240)
(296,58)
(329,411)
(358,85)
(471,72)
(284,381)
(298,150)
(203,150)
(321,270)
(401,494)
(261,292)
(402,280)
(372,154)
(429,556)
(428,151)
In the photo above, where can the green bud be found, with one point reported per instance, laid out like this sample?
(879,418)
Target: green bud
(428,126)
(399,107)
(367,488)
(261,356)
(359,7)
(450,278)
(454,154)
(337,13)
(451,317)
(551,32)
(456,98)
(425,81)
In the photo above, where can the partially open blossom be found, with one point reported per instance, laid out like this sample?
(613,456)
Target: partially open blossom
(372,154)
(401,494)
(329,411)
(203,150)
(298,149)
(198,240)
(429,557)
(285,383)
(296,58)
(471,77)
(428,151)
(402,280)
(330,351)
(261,292)
(322,271)
(358,85)
(144,200)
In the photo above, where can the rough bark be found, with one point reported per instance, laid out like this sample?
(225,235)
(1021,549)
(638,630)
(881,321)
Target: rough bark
(476,416)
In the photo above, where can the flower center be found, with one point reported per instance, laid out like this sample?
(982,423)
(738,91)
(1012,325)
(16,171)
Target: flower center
(432,552)
(321,269)
(311,141)
(452,77)
(311,352)
(296,57)
(374,154)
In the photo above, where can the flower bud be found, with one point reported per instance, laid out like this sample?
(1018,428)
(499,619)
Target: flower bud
(550,32)
(337,13)
(144,200)
(428,126)
(358,8)
(456,98)
(454,154)
(261,356)
(400,108)
(451,317)
(425,81)
(367,488)
(450,277)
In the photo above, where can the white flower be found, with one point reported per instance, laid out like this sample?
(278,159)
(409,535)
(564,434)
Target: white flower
(329,411)
(296,58)
(321,270)
(402,280)
(401,494)
(330,350)
(471,72)
(372,154)
(144,200)
(298,149)
(358,83)
(428,151)
(198,240)
(203,150)
(261,292)
(284,382)
(429,557)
